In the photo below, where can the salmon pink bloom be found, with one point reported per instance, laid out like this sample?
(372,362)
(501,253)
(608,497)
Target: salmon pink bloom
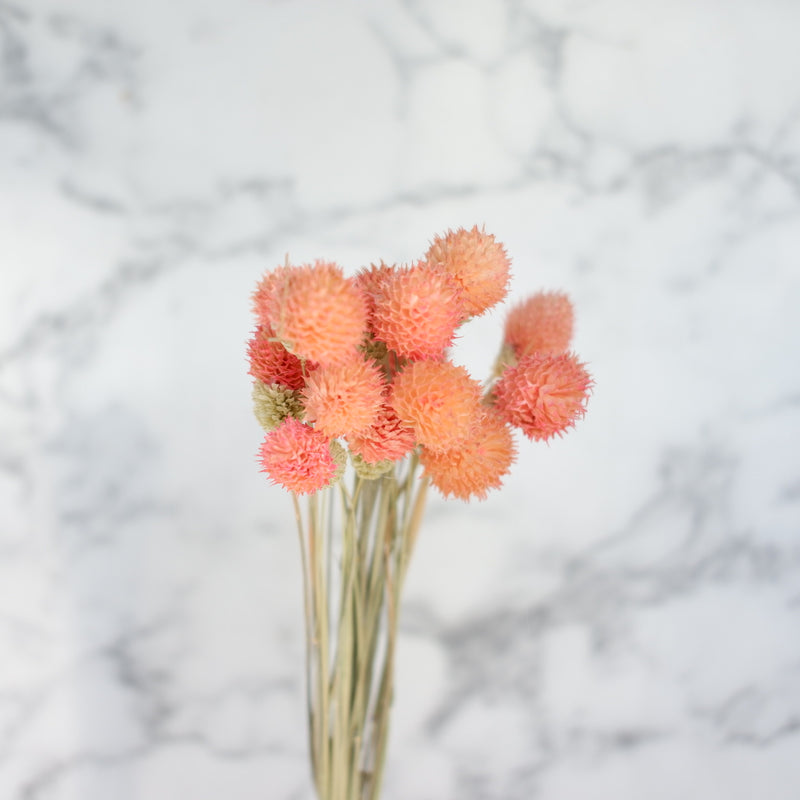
(476,464)
(542,323)
(341,399)
(387,439)
(297,457)
(479,264)
(416,311)
(439,400)
(543,394)
(318,313)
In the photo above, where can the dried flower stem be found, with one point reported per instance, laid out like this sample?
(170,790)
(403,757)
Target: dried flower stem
(351,642)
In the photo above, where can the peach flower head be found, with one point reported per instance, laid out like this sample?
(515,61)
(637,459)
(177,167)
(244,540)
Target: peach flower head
(439,400)
(369,280)
(542,323)
(479,264)
(341,399)
(264,293)
(476,464)
(387,439)
(318,313)
(297,457)
(271,362)
(544,394)
(416,311)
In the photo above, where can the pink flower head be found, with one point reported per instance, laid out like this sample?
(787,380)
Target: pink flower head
(542,323)
(476,464)
(297,457)
(477,262)
(543,394)
(271,362)
(387,439)
(439,400)
(416,311)
(318,313)
(341,399)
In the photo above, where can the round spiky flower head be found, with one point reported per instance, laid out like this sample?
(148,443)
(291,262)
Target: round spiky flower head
(387,439)
(370,471)
(272,403)
(271,362)
(544,394)
(477,262)
(297,457)
(416,310)
(542,323)
(341,399)
(318,313)
(265,290)
(476,464)
(439,400)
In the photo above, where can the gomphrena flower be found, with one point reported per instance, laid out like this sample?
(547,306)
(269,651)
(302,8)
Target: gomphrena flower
(271,362)
(416,310)
(341,399)
(318,313)
(297,457)
(439,400)
(369,280)
(479,264)
(370,471)
(387,439)
(263,295)
(543,394)
(542,323)
(476,464)
(272,403)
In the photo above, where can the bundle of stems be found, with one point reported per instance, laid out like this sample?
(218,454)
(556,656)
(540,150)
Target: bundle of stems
(350,642)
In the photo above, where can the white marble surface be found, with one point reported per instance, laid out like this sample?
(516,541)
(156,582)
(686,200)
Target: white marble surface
(622,621)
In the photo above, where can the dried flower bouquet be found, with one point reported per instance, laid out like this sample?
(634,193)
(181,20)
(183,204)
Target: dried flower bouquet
(355,371)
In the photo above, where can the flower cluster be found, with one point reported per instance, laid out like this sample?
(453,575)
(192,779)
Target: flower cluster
(364,361)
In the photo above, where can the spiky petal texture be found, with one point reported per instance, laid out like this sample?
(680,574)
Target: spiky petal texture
(297,457)
(543,394)
(476,464)
(479,264)
(542,323)
(341,399)
(271,362)
(272,403)
(387,439)
(263,295)
(439,400)
(370,471)
(369,281)
(417,310)
(318,313)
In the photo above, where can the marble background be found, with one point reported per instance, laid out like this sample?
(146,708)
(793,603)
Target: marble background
(622,621)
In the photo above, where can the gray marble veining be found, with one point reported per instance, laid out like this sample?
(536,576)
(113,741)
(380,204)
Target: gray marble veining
(621,620)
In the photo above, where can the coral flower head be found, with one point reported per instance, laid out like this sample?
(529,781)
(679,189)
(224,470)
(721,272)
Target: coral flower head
(439,400)
(341,399)
(542,323)
(387,439)
(297,457)
(476,464)
(369,280)
(271,362)
(416,311)
(479,264)
(318,313)
(544,394)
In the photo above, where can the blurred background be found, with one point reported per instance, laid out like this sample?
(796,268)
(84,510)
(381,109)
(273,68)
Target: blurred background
(622,619)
